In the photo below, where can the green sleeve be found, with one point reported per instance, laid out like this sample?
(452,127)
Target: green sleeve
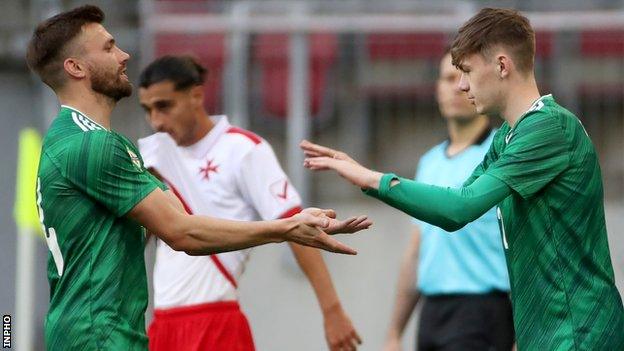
(110,171)
(447,208)
(536,154)
(161,184)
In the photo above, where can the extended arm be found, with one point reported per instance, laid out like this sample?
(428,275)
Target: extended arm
(199,235)
(447,208)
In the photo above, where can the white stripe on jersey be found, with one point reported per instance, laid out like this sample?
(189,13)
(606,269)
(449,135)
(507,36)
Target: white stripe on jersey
(75,119)
(88,123)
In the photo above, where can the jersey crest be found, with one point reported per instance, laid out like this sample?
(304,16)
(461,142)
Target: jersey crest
(211,166)
(135,159)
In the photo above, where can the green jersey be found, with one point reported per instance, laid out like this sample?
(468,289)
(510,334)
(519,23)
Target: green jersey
(88,179)
(554,234)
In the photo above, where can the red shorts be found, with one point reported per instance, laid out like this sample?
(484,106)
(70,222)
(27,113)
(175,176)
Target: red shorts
(211,326)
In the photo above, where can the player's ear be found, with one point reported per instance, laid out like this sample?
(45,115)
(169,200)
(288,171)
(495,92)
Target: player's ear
(503,66)
(75,68)
(197,94)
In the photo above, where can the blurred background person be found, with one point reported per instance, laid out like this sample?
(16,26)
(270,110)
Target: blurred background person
(463,275)
(217,169)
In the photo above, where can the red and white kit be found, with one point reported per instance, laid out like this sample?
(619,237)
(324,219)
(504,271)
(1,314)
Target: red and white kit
(233,174)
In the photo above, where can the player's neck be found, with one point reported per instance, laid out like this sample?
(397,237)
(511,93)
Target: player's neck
(519,100)
(203,127)
(95,106)
(465,133)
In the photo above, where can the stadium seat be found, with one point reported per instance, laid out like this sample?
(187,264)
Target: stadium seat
(602,52)
(543,45)
(602,44)
(210,50)
(271,53)
(402,64)
(406,46)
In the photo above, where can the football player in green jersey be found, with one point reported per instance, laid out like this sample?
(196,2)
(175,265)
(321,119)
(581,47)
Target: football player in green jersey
(94,197)
(543,175)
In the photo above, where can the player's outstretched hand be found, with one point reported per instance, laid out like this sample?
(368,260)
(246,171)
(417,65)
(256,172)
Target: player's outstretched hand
(321,158)
(308,228)
(346,226)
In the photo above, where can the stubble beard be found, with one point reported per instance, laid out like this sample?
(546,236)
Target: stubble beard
(110,84)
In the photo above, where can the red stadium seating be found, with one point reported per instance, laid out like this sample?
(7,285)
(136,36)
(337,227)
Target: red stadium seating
(602,43)
(543,45)
(602,47)
(407,45)
(210,50)
(271,53)
(402,51)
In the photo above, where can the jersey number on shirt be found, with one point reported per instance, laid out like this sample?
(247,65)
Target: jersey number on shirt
(50,235)
(499,214)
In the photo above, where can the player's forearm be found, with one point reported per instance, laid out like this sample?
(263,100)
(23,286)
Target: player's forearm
(403,308)
(447,208)
(204,235)
(313,266)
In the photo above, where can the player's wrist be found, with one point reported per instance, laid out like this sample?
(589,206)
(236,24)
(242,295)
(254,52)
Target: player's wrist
(393,334)
(275,231)
(372,180)
(331,308)
(286,228)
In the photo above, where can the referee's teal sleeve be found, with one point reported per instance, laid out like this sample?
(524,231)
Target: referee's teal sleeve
(447,208)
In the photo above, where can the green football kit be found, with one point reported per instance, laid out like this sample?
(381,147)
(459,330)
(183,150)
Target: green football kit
(543,174)
(88,179)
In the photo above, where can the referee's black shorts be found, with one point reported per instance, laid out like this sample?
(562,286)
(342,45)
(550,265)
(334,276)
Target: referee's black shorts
(466,322)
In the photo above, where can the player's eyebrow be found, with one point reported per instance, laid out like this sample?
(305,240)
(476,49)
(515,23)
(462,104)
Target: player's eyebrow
(162,103)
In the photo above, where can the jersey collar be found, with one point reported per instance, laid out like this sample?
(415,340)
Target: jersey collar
(201,148)
(537,104)
(85,116)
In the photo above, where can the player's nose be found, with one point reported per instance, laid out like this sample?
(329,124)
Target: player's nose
(123,57)
(156,121)
(463,83)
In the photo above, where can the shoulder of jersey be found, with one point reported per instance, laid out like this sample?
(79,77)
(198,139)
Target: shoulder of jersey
(155,142)
(65,134)
(242,137)
(542,108)
(85,124)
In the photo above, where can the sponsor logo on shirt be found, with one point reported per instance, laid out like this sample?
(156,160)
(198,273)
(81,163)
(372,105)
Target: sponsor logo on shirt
(280,189)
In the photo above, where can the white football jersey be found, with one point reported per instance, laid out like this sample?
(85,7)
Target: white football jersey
(232,174)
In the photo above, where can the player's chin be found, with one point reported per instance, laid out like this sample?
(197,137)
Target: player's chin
(479,108)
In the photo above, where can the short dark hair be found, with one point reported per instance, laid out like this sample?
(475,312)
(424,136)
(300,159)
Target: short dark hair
(47,49)
(183,71)
(494,26)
